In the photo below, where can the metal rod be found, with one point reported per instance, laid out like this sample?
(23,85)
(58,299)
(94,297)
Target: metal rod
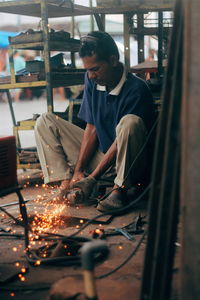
(45,31)
(88,252)
(160,43)
(11,108)
(23,211)
(157,271)
(14,203)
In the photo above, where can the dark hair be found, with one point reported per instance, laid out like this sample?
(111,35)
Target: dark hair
(99,43)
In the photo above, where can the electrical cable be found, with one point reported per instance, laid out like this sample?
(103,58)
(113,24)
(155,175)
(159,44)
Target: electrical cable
(125,261)
(32,257)
(142,149)
(134,161)
(113,212)
(25,288)
(47,237)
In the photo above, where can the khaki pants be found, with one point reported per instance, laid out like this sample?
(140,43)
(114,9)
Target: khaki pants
(58,144)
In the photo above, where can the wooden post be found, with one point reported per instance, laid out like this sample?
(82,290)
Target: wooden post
(190,179)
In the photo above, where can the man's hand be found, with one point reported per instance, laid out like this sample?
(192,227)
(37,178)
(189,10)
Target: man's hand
(86,185)
(76,177)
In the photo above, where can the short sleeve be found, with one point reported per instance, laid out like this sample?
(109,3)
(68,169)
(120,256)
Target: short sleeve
(85,112)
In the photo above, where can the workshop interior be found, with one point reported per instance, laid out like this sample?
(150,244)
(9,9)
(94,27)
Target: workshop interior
(148,249)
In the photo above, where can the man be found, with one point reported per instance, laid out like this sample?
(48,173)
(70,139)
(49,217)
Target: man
(118,110)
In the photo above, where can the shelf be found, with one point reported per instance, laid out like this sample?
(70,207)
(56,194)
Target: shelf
(60,78)
(70,44)
(7,86)
(55,10)
(32,8)
(147,66)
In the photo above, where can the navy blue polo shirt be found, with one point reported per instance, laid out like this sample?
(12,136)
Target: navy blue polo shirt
(104,110)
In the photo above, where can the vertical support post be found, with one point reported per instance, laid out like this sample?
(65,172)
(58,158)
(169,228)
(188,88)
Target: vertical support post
(140,37)
(160,43)
(23,212)
(126,41)
(12,67)
(11,107)
(45,31)
(100,20)
(91,17)
(190,179)
(103,20)
(72,54)
(15,128)
(164,196)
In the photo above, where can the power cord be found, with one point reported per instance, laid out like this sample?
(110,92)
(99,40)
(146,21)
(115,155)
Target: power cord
(33,257)
(141,150)
(125,261)
(114,211)
(133,162)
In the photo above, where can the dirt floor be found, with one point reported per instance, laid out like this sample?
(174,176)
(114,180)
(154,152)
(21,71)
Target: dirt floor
(21,280)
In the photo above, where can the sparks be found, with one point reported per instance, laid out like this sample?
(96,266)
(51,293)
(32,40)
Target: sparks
(48,220)
(23,270)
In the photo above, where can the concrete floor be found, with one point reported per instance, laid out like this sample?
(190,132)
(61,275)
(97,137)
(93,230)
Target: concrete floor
(123,284)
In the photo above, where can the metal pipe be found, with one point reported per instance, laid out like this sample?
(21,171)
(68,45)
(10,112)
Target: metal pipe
(88,252)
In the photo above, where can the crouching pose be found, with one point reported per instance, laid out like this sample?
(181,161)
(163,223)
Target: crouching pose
(118,110)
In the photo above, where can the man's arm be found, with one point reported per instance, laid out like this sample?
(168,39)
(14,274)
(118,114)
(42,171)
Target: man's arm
(106,162)
(86,184)
(88,146)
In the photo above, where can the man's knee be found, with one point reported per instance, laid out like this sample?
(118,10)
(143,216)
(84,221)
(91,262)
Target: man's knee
(129,124)
(43,119)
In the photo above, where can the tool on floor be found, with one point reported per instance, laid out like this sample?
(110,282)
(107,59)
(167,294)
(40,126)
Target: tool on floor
(5,229)
(88,253)
(125,233)
(75,196)
(128,231)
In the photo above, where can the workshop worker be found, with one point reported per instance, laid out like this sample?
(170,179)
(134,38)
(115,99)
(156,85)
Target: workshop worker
(118,110)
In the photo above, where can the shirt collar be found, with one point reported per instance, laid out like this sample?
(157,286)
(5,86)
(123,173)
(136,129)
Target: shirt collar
(117,89)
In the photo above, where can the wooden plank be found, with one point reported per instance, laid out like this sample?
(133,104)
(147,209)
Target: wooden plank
(22,85)
(109,3)
(86,213)
(147,66)
(71,45)
(190,179)
(32,8)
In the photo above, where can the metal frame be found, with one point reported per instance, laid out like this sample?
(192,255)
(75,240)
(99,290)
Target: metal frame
(164,195)
(50,8)
(16,189)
